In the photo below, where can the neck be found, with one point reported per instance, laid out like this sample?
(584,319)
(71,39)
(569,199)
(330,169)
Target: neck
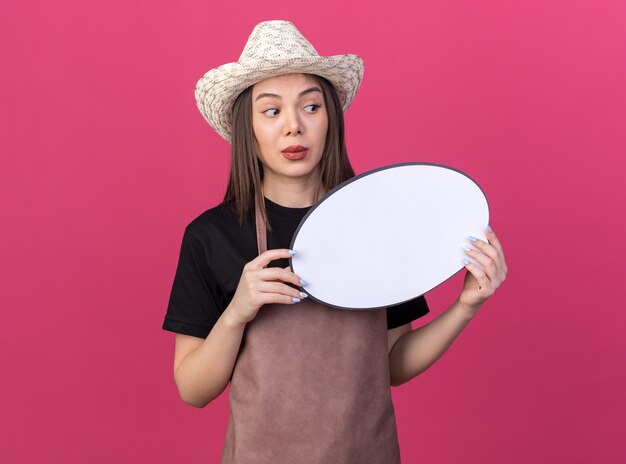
(296,193)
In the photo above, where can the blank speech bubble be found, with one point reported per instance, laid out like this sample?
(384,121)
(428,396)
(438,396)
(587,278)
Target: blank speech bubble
(388,235)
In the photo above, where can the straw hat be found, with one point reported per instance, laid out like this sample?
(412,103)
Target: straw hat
(274,48)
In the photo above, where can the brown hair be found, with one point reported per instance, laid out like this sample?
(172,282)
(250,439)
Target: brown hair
(246,170)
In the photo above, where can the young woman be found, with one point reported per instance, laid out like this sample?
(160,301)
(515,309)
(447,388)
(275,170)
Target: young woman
(308,383)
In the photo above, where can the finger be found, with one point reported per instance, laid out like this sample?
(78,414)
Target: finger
(277,287)
(278,273)
(493,253)
(481,277)
(488,264)
(495,241)
(270,298)
(485,247)
(266,257)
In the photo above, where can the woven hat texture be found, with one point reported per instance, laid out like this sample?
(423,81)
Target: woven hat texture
(274,48)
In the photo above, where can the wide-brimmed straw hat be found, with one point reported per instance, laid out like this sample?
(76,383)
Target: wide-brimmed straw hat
(274,48)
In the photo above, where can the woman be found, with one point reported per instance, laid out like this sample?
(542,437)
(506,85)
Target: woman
(308,383)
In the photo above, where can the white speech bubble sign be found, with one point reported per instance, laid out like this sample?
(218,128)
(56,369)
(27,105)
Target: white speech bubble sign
(388,235)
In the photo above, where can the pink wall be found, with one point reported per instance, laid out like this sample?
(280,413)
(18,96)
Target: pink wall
(104,159)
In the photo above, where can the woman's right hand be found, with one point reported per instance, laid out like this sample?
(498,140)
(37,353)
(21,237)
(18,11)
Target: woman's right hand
(260,285)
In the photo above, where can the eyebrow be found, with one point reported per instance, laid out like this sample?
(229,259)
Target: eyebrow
(300,95)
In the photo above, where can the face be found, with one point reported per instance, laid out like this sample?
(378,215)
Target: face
(288,112)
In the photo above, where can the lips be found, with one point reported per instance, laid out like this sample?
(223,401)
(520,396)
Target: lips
(294,149)
(295,152)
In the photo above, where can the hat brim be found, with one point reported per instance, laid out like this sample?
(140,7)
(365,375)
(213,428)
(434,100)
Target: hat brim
(217,90)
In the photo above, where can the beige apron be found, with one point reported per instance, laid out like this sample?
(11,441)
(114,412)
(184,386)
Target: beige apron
(311,385)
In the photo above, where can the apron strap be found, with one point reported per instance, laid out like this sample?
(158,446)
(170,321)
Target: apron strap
(261,231)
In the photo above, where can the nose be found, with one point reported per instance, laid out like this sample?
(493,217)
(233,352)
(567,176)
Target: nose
(293,124)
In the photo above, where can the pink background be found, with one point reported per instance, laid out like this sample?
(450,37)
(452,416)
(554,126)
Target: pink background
(105,158)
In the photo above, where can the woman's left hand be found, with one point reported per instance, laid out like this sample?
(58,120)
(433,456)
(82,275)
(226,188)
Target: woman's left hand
(480,285)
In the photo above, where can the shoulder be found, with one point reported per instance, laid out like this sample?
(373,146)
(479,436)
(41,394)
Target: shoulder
(220,219)
(219,235)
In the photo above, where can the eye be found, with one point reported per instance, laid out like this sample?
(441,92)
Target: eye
(270,109)
(314,105)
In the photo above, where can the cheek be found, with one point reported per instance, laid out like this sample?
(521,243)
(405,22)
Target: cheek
(259,133)
(263,133)
(325,124)
(323,132)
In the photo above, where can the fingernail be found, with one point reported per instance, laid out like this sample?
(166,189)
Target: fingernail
(296,300)
(302,282)
(292,252)
(489,228)
(473,239)
(465,261)
(466,248)
(303,295)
